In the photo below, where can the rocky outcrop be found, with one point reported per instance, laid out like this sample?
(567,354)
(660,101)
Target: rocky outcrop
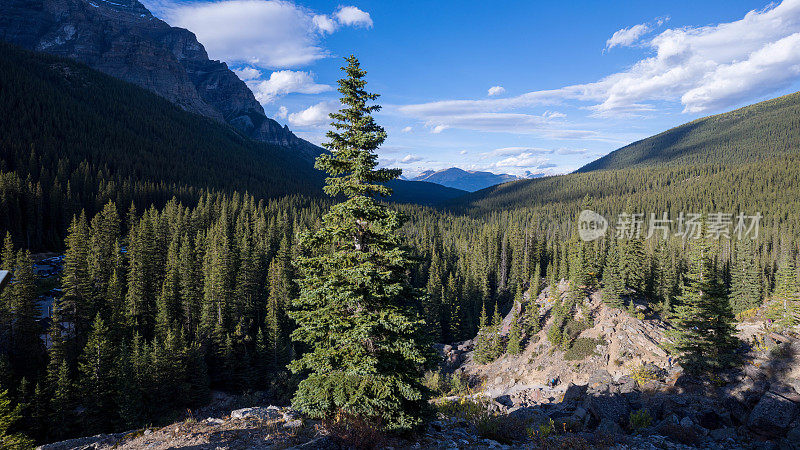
(123,39)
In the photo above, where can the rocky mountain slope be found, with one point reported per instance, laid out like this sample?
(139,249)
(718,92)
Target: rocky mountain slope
(123,39)
(626,387)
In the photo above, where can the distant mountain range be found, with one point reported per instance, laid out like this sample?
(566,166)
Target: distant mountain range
(751,152)
(467,180)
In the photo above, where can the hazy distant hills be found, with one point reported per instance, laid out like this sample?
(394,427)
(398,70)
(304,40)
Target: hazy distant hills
(752,133)
(467,180)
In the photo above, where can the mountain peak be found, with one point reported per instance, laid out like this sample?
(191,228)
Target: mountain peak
(468,180)
(123,39)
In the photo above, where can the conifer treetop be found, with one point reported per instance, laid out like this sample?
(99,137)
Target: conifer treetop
(352,160)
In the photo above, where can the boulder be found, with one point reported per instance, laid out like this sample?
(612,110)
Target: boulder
(574,393)
(611,407)
(260,413)
(772,415)
(296,423)
(722,434)
(609,428)
(505,400)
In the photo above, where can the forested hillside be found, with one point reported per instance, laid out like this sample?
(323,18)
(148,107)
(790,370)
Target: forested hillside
(752,133)
(72,139)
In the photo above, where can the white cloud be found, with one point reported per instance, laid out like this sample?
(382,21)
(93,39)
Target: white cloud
(410,159)
(269,34)
(406,130)
(285,82)
(627,36)
(324,23)
(701,68)
(247,73)
(313,116)
(352,16)
(775,65)
(496,90)
(283,112)
(503,122)
(463,152)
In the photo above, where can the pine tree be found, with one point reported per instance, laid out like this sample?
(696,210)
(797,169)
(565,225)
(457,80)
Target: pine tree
(168,303)
(8,416)
(785,309)
(703,320)
(483,344)
(190,283)
(613,285)
(97,378)
(62,403)
(78,300)
(7,262)
(536,283)
(514,346)
(27,347)
(633,264)
(745,279)
(357,311)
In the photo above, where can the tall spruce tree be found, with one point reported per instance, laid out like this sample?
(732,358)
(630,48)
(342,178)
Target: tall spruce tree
(703,321)
(8,416)
(357,311)
(514,346)
(25,331)
(785,308)
(613,285)
(745,279)
(97,378)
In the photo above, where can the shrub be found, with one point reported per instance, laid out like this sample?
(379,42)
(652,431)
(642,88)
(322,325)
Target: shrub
(581,349)
(639,419)
(444,384)
(642,374)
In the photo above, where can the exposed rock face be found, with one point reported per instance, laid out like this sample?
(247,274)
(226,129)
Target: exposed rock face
(123,39)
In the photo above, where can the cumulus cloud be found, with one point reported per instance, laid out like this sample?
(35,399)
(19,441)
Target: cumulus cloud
(496,90)
(313,116)
(270,34)
(282,113)
(284,82)
(406,130)
(627,36)
(436,129)
(352,16)
(247,73)
(707,68)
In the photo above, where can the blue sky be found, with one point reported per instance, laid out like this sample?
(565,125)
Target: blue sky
(517,87)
